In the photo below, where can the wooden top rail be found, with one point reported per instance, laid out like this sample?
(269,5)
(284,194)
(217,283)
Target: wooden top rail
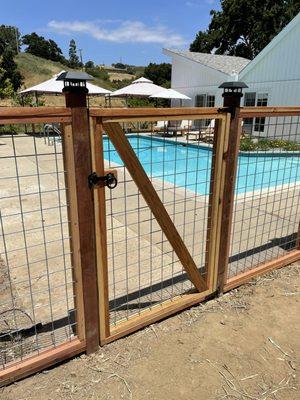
(155,114)
(18,115)
(250,112)
(27,115)
(152,112)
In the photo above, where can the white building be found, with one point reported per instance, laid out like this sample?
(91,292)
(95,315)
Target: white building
(273,76)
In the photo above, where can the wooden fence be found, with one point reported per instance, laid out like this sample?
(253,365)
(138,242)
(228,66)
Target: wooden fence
(186,221)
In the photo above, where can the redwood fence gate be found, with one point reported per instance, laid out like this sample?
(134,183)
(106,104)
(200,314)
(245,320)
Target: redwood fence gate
(198,209)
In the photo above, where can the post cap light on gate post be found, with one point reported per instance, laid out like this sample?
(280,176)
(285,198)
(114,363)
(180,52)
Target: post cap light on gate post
(74,79)
(232,94)
(75,89)
(233,88)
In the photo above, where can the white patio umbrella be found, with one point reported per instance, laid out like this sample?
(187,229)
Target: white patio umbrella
(141,87)
(52,86)
(170,94)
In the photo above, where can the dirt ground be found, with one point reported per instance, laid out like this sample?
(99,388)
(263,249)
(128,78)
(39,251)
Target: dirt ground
(244,345)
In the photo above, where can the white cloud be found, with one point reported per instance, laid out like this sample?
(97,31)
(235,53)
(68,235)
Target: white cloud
(122,32)
(196,3)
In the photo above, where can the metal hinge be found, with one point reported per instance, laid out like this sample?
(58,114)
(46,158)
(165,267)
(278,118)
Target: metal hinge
(110,180)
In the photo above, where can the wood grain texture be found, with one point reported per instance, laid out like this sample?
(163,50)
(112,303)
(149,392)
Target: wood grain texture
(227,202)
(134,167)
(151,118)
(101,230)
(157,313)
(261,269)
(215,202)
(71,197)
(250,112)
(34,120)
(44,360)
(34,115)
(86,223)
(146,112)
(20,112)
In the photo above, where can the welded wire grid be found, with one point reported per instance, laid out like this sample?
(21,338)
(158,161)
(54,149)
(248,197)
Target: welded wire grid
(267,201)
(36,285)
(143,268)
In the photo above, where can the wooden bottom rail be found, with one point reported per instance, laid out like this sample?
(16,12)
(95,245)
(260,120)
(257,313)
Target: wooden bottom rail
(44,360)
(157,313)
(245,277)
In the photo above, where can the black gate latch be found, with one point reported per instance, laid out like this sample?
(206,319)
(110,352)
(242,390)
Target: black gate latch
(108,180)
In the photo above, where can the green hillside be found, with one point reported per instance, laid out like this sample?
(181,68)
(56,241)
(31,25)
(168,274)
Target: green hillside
(36,70)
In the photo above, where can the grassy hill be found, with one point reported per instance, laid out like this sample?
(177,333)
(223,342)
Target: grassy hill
(36,70)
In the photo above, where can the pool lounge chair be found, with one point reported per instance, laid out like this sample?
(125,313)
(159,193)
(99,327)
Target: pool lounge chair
(205,134)
(168,128)
(160,126)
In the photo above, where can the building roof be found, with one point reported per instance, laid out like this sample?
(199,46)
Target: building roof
(274,42)
(229,65)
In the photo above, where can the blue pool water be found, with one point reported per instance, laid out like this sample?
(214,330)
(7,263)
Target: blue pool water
(189,166)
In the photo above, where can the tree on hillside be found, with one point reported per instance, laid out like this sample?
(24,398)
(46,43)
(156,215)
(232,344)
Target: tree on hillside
(40,47)
(119,65)
(95,71)
(243,28)
(73,57)
(55,53)
(160,74)
(10,69)
(36,45)
(89,65)
(6,87)
(9,38)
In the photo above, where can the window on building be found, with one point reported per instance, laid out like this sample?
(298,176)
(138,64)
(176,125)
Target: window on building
(252,99)
(200,100)
(249,101)
(262,101)
(204,100)
(210,101)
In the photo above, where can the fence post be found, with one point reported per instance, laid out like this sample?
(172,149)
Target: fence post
(232,99)
(75,94)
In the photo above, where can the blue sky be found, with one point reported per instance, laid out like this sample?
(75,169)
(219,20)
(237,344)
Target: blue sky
(135,31)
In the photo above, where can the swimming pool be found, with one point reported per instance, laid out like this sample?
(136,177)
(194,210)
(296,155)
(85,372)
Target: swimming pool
(189,166)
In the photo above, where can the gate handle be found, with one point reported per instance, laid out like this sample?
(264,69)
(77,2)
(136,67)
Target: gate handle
(109,179)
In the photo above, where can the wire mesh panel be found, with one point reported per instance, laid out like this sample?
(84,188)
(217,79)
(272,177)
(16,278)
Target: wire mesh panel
(143,267)
(267,202)
(36,284)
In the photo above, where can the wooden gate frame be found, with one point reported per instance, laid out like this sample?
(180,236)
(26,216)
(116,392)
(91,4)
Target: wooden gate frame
(109,121)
